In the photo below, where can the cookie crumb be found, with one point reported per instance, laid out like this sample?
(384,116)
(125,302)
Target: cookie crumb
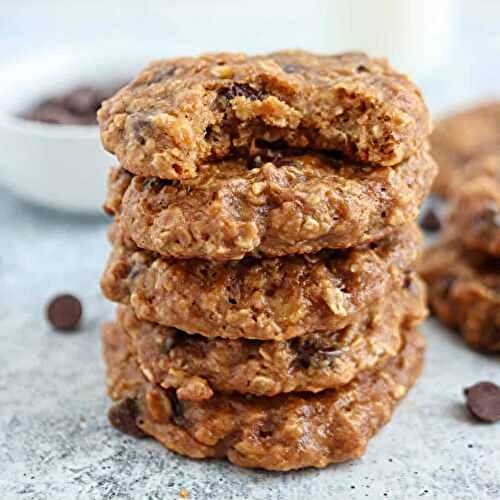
(483,401)
(64,312)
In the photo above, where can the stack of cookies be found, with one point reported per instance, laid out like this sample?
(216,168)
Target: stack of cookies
(463,267)
(263,251)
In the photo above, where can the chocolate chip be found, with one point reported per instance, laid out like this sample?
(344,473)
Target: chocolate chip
(409,283)
(362,69)
(154,184)
(82,101)
(170,342)
(177,409)
(293,68)
(139,126)
(286,162)
(255,162)
(489,217)
(483,401)
(430,221)
(304,351)
(241,90)
(445,284)
(278,146)
(122,415)
(49,112)
(64,312)
(267,429)
(334,158)
(77,107)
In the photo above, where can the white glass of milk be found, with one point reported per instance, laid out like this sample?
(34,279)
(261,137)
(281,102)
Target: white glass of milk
(415,35)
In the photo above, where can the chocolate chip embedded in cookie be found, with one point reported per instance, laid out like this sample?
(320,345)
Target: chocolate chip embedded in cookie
(462,137)
(122,415)
(475,210)
(197,366)
(464,291)
(179,113)
(292,203)
(281,433)
(268,299)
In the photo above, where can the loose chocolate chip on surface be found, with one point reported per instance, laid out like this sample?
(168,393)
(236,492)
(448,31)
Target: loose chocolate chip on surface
(430,221)
(483,401)
(64,312)
(122,415)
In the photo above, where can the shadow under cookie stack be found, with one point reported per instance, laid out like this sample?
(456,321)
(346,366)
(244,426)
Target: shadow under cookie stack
(264,242)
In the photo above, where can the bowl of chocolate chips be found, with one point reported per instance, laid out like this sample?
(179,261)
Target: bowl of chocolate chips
(51,153)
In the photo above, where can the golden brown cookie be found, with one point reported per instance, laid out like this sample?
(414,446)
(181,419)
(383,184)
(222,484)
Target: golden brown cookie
(179,113)
(198,366)
(464,291)
(290,204)
(267,299)
(462,137)
(475,208)
(284,432)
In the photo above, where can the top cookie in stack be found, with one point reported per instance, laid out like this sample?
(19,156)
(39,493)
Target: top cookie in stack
(264,242)
(178,114)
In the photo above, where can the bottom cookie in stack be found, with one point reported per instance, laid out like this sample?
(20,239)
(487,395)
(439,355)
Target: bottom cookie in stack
(164,390)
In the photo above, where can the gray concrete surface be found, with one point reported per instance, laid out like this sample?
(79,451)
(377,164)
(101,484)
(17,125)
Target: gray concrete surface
(55,442)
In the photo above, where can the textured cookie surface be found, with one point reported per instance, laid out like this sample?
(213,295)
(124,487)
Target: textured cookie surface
(179,113)
(280,433)
(460,138)
(475,208)
(198,366)
(272,298)
(464,291)
(288,204)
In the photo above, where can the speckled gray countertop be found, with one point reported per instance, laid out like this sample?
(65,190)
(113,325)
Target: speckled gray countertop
(55,442)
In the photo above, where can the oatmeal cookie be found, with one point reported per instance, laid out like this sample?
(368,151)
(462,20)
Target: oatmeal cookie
(197,366)
(284,432)
(267,299)
(464,291)
(290,204)
(179,113)
(461,137)
(475,212)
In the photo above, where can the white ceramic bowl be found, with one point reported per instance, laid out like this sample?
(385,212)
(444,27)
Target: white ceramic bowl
(61,166)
